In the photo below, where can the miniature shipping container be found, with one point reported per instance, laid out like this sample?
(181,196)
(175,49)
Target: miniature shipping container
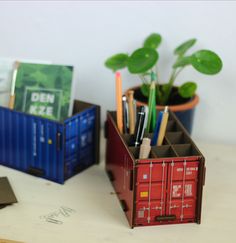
(50,149)
(167,187)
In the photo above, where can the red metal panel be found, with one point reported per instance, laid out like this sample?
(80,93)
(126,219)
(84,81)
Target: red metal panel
(120,169)
(182,209)
(143,213)
(159,192)
(191,172)
(156,191)
(143,173)
(176,189)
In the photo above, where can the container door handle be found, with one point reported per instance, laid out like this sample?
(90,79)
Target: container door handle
(59,141)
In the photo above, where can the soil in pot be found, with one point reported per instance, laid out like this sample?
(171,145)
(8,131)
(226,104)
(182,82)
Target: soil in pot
(175,98)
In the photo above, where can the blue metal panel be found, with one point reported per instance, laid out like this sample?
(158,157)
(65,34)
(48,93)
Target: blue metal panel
(80,137)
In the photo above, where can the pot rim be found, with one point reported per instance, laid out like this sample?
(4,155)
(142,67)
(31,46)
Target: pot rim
(182,107)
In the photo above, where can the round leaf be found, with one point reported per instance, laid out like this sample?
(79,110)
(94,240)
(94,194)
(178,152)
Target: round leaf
(152,41)
(188,89)
(117,61)
(206,62)
(181,49)
(142,60)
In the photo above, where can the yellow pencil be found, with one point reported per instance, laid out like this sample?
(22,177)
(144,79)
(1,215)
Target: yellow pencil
(119,115)
(162,131)
(13,84)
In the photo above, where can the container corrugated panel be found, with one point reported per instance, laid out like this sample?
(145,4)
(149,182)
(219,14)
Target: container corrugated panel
(167,187)
(47,148)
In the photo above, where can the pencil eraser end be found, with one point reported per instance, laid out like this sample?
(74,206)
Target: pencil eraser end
(118,74)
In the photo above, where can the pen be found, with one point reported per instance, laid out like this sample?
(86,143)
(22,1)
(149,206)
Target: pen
(162,131)
(125,114)
(157,128)
(135,110)
(13,84)
(119,102)
(131,111)
(139,126)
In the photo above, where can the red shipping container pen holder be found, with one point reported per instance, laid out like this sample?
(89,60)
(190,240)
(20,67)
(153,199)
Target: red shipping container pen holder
(167,187)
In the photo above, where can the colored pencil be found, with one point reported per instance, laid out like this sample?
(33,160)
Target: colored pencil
(119,115)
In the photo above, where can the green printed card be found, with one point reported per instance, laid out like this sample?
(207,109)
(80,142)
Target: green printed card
(44,90)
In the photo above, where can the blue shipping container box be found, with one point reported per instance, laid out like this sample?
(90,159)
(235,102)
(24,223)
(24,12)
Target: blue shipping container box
(50,149)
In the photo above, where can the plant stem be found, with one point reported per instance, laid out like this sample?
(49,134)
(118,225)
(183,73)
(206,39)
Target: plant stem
(172,79)
(143,78)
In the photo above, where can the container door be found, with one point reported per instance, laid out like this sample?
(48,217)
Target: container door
(151,192)
(45,155)
(182,189)
(80,142)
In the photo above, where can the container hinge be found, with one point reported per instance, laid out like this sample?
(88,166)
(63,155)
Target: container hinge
(59,141)
(106,129)
(110,175)
(165,218)
(204,176)
(124,205)
(35,171)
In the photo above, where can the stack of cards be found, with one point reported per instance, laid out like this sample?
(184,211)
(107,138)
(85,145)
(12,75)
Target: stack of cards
(7,196)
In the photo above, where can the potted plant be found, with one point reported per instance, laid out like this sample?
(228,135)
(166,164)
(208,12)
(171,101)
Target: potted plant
(180,99)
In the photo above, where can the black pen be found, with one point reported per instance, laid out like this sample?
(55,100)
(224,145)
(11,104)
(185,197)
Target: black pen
(125,114)
(138,133)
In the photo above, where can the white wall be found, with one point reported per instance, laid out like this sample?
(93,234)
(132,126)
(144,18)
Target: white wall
(84,34)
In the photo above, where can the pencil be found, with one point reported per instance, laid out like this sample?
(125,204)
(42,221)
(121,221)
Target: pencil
(163,126)
(13,84)
(131,111)
(119,113)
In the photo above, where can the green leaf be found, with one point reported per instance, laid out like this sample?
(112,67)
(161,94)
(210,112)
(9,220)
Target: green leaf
(142,60)
(207,62)
(181,49)
(145,89)
(117,61)
(188,89)
(152,41)
(183,61)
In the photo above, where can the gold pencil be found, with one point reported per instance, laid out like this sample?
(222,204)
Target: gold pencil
(162,131)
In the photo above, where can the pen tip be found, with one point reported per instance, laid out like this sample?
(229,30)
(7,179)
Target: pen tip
(166,109)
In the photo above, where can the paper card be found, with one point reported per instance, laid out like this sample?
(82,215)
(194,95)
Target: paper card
(7,195)
(9,241)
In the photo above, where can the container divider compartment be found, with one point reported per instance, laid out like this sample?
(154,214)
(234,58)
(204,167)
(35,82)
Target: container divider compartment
(164,151)
(135,152)
(177,138)
(184,150)
(172,126)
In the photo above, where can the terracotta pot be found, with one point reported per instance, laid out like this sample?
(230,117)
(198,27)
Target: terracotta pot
(184,111)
